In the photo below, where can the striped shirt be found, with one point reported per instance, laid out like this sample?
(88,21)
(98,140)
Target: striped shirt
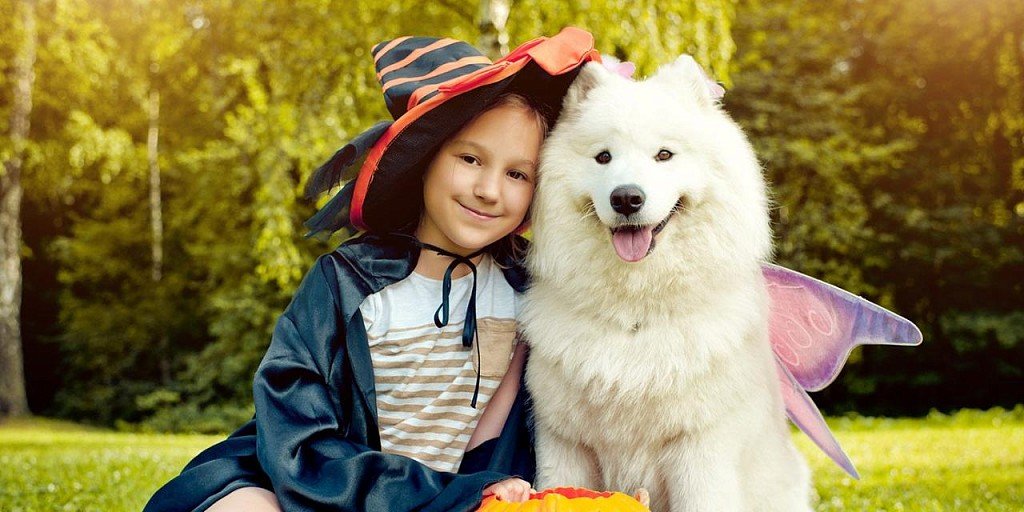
(424,377)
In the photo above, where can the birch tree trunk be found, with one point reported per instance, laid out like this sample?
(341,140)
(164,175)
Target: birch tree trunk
(493,33)
(13,401)
(156,221)
(155,208)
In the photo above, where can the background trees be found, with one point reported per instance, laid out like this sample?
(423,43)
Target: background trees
(892,132)
(13,401)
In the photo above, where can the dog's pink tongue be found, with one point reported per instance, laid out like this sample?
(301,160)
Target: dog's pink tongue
(632,244)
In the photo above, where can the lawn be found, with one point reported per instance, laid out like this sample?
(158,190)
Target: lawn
(971,461)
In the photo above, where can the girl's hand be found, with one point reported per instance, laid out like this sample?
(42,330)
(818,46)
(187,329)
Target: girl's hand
(512,490)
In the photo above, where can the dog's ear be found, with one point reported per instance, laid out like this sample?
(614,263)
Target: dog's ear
(686,75)
(590,76)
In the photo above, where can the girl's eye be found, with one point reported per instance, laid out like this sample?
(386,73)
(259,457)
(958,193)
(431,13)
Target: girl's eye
(663,155)
(518,175)
(470,159)
(603,157)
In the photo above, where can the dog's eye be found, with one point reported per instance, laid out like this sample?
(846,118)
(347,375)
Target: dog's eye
(603,157)
(663,155)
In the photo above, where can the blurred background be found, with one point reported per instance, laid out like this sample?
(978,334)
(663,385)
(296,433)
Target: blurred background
(155,151)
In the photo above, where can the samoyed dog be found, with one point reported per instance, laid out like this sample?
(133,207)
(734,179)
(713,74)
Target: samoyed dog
(650,365)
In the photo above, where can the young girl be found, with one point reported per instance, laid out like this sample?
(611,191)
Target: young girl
(395,363)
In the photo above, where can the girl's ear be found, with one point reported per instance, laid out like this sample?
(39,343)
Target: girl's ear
(591,75)
(686,76)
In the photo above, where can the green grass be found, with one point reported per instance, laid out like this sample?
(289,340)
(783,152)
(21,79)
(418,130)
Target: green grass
(972,460)
(968,461)
(47,465)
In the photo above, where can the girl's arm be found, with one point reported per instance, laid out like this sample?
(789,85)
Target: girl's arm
(493,418)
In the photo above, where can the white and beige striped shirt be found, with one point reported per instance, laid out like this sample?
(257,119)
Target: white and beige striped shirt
(424,377)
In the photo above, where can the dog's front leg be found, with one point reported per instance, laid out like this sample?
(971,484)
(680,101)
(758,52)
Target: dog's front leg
(561,463)
(703,476)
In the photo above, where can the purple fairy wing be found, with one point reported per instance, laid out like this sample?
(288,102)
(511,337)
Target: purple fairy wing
(814,325)
(805,415)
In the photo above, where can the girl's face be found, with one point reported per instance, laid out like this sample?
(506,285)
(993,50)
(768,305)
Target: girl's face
(479,186)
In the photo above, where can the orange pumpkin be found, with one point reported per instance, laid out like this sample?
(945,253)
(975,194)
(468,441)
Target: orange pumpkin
(567,499)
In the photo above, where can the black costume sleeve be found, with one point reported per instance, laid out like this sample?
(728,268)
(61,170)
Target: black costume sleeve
(301,441)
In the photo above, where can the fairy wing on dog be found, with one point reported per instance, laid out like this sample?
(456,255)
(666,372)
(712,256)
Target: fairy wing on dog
(813,328)
(805,415)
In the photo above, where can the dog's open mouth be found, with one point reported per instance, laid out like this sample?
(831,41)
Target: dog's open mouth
(633,243)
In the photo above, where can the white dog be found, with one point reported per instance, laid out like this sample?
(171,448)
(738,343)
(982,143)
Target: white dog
(647,319)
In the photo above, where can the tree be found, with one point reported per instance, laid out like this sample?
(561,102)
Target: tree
(13,400)
(252,97)
(493,27)
(649,33)
(797,100)
(898,178)
(952,211)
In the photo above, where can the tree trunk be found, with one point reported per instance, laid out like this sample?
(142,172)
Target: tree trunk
(155,207)
(157,223)
(13,401)
(493,34)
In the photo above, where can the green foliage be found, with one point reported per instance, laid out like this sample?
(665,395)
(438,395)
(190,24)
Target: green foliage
(8,48)
(970,461)
(894,174)
(172,416)
(796,100)
(898,178)
(253,97)
(648,33)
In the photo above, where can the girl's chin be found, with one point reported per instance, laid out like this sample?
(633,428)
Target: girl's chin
(466,239)
(471,246)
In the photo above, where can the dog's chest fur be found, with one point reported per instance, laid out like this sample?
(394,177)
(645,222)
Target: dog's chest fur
(606,384)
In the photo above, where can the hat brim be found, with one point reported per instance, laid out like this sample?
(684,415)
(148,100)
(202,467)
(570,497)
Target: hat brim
(388,194)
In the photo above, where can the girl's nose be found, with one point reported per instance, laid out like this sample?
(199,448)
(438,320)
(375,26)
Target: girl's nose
(487,185)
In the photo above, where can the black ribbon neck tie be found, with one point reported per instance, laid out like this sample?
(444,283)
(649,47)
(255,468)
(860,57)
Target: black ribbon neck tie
(441,316)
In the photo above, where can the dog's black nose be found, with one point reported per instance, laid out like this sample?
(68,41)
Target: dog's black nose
(627,199)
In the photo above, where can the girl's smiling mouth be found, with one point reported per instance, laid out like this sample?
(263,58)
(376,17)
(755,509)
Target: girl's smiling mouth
(477,214)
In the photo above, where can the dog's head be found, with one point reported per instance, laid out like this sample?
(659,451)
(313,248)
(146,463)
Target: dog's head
(653,170)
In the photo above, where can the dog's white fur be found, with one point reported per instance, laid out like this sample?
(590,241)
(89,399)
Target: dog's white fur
(656,374)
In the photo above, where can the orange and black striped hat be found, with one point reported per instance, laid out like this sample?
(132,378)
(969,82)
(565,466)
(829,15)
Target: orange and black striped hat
(433,87)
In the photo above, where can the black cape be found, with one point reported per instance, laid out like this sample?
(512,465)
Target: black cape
(315,440)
